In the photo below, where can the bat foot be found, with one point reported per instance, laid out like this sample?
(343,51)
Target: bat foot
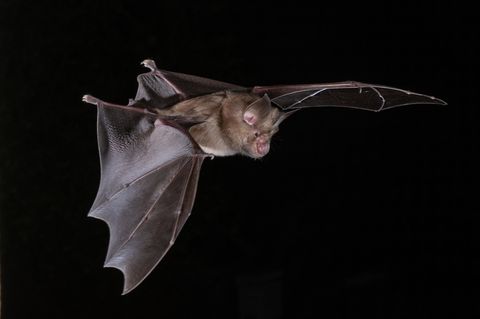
(90,99)
(149,64)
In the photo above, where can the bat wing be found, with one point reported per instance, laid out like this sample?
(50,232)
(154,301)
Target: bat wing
(149,174)
(160,88)
(342,94)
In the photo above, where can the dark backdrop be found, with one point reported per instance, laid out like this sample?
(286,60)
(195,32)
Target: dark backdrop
(351,214)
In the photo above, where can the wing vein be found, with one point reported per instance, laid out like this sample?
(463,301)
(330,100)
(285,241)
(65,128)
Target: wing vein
(184,192)
(380,96)
(306,98)
(150,209)
(126,186)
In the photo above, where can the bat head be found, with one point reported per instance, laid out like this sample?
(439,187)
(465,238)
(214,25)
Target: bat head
(248,122)
(260,123)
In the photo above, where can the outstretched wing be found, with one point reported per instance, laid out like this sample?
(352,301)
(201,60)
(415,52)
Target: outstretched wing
(149,174)
(160,88)
(342,94)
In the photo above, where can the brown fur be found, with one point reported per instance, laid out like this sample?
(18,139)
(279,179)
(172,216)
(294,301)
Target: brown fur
(223,130)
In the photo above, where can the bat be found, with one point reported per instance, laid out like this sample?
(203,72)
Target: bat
(152,149)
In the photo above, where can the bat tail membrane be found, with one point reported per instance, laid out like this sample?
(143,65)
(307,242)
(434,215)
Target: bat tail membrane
(149,175)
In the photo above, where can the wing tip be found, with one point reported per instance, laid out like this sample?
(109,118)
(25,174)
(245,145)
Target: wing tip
(429,99)
(127,287)
(439,101)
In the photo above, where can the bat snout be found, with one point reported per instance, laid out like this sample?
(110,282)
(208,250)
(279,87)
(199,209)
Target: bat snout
(262,146)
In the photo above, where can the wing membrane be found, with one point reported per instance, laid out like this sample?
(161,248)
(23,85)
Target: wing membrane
(149,174)
(343,94)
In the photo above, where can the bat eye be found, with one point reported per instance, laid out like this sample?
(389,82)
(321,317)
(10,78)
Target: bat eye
(257,134)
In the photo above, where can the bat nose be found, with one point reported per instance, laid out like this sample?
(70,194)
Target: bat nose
(263,138)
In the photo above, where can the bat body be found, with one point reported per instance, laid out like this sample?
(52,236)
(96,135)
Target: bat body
(229,122)
(152,149)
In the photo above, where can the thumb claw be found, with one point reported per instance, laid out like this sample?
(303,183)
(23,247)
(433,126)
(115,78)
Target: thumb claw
(90,99)
(149,64)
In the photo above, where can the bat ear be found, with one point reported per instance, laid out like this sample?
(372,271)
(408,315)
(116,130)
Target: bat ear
(250,118)
(257,109)
(283,116)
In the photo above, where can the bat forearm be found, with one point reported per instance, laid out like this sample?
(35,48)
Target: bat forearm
(198,109)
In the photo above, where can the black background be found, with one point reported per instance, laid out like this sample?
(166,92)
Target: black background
(351,214)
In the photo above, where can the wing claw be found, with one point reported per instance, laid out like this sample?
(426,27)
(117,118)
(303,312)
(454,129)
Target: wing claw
(90,99)
(149,64)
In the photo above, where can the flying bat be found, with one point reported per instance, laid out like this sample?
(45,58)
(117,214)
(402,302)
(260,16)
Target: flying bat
(152,149)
